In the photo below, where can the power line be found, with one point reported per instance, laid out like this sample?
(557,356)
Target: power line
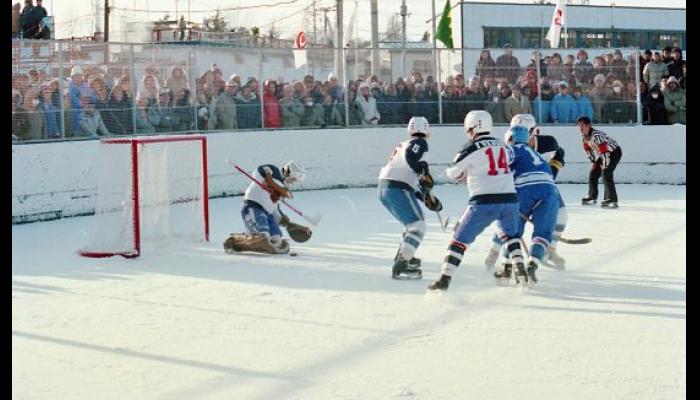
(280,3)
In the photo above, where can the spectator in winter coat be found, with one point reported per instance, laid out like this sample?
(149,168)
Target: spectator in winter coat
(666,57)
(27,22)
(16,28)
(368,105)
(496,104)
(76,88)
(583,68)
(91,124)
(248,109)
(516,104)
(330,112)
(474,99)
(390,107)
(334,89)
(312,114)
(583,103)
(222,115)
(599,95)
(452,107)
(556,70)
(508,65)
(617,110)
(38,14)
(419,104)
(675,68)
(541,105)
(355,112)
(291,108)
(118,117)
(177,80)
(168,120)
(143,124)
(618,66)
(271,104)
(644,59)
(485,65)
(655,70)
(183,109)
(655,107)
(563,108)
(674,100)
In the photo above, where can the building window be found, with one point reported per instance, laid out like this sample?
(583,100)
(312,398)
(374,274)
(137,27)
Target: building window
(530,38)
(497,37)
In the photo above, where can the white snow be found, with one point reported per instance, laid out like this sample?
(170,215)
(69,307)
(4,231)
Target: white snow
(195,323)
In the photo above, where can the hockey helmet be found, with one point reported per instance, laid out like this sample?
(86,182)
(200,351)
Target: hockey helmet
(518,133)
(477,121)
(293,172)
(527,120)
(418,126)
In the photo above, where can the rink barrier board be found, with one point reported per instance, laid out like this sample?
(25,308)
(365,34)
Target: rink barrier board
(57,180)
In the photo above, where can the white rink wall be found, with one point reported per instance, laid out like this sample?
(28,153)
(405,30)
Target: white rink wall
(54,180)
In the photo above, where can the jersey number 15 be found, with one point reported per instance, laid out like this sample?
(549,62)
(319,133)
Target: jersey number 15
(502,161)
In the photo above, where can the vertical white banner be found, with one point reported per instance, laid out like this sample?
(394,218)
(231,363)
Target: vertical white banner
(558,20)
(300,50)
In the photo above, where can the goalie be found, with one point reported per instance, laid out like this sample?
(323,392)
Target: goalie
(262,216)
(402,181)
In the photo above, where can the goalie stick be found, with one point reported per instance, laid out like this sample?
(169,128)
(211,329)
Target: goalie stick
(314,220)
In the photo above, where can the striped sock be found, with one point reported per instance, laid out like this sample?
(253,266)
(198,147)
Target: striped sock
(455,252)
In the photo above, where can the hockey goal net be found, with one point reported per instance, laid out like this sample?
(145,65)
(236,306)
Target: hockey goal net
(149,190)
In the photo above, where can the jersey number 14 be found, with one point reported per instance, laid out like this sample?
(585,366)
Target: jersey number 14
(502,161)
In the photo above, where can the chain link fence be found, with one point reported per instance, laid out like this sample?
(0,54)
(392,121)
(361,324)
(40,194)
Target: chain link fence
(68,90)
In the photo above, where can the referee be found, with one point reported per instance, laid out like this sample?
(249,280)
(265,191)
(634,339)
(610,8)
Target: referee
(604,153)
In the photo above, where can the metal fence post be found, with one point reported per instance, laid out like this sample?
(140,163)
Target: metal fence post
(347,90)
(134,92)
(439,81)
(262,89)
(638,84)
(539,88)
(61,88)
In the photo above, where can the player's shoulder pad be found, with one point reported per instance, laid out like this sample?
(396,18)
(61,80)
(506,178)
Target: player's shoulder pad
(472,146)
(420,142)
(272,170)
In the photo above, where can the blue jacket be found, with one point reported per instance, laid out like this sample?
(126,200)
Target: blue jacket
(584,107)
(564,109)
(545,105)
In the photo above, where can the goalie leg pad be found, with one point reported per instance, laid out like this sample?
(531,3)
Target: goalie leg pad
(257,242)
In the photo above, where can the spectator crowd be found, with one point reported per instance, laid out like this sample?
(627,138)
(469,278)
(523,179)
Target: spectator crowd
(28,22)
(96,101)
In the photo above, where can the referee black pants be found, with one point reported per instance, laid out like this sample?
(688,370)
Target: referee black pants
(594,176)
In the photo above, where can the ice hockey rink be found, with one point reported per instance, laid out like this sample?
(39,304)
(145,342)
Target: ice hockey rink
(191,322)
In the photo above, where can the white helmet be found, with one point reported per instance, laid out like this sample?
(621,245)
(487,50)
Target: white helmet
(418,125)
(478,120)
(293,172)
(527,120)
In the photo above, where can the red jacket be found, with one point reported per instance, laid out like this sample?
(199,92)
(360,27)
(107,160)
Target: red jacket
(272,111)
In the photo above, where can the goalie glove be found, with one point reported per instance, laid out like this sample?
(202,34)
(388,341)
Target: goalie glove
(298,233)
(276,191)
(432,202)
(556,166)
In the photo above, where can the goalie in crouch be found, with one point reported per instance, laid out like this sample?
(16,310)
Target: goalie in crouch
(262,216)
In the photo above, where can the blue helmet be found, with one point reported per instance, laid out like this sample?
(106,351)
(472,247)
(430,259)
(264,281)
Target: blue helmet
(518,133)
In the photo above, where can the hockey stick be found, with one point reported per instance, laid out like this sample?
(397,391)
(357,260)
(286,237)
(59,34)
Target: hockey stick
(561,239)
(314,220)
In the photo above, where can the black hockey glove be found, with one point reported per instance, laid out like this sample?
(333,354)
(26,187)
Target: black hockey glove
(432,202)
(426,181)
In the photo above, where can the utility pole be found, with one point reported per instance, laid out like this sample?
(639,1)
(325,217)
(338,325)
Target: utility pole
(106,21)
(404,13)
(314,17)
(375,37)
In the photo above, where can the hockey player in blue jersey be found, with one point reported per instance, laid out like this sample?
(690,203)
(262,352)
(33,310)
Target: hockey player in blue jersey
(482,164)
(402,182)
(549,149)
(261,214)
(538,197)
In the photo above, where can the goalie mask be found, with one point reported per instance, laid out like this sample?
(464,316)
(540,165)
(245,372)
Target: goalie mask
(418,126)
(518,134)
(293,172)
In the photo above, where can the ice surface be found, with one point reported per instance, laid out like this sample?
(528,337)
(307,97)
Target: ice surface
(191,322)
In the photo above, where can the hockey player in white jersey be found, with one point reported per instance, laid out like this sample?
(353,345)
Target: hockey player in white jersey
(402,181)
(261,214)
(548,147)
(483,164)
